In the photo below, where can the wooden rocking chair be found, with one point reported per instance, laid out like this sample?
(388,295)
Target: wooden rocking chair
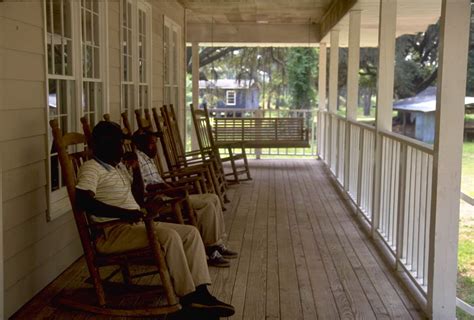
(173,160)
(203,128)
(88,231)
(184,159)
(176,204)
(176,177)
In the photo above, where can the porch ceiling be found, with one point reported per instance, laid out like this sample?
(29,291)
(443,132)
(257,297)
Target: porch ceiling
(256,11)
(296,22)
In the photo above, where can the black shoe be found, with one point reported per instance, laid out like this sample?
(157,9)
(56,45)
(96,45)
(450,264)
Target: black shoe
(217,260)
(207,302)
(226,252)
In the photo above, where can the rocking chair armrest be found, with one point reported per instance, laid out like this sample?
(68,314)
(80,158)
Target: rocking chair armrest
(166,192)
(193,153)
(201,167)
(184,172)
(107,224)
(186,181)
(197,161)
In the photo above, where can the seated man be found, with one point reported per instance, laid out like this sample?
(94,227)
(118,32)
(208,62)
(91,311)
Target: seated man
(104,189)
(208,208)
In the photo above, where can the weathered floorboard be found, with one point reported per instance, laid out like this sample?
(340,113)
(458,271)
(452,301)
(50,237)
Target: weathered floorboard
(302,255)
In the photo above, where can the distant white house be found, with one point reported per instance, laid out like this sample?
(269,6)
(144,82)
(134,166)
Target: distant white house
(230,93)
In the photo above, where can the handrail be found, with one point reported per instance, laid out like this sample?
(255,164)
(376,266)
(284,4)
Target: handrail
(365,126)
(408,141)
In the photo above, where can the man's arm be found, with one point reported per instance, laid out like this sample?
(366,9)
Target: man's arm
(86,200)
(138,188)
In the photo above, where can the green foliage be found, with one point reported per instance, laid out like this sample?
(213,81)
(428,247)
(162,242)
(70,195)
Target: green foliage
(272,69)
(301,77)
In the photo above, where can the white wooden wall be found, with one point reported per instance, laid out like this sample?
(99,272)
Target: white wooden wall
(37,251)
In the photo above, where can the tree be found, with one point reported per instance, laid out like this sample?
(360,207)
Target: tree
(301,77)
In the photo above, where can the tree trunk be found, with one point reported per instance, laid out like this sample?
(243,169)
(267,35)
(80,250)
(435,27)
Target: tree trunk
(367,102)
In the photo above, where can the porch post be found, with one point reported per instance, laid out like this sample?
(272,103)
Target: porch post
(322,101)
(332,100)
(333,71)
(352,86)
(442,268)
(195,81)
(2,294)
(353,65)
(387,28)
(322,76)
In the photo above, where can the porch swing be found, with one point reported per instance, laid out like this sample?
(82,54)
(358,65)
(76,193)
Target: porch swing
(257,132)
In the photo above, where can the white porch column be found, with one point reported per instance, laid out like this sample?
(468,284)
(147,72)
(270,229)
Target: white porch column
(352,86)
(387,28)
(353,65)
(322,76)
(195,81)
(333,71)
(454,36)
(2,294)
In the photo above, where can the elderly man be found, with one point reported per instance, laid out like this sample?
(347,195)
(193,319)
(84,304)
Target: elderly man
(207,206)
(104,190)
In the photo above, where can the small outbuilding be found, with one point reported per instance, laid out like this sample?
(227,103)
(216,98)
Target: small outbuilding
(230,93)
(417,114)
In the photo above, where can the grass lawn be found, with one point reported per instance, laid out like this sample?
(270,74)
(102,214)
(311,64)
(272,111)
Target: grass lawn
(467,180)
(465,286)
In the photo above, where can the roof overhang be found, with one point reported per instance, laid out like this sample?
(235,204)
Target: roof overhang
(233,23)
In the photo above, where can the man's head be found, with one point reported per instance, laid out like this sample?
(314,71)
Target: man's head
(145,141)
(107,141)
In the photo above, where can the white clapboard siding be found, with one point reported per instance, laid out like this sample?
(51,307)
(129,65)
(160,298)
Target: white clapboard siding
(15,33)
(21,152)
(34,281)
(16,124)
(26,260)
(15,97)
(20,181)
(22,208)
(37,251)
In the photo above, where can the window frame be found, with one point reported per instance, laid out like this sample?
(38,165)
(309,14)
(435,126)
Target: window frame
(135,82)
(173,62)
(58,201)
(227,94)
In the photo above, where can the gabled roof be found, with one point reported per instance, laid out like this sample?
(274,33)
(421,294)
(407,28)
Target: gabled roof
(425,101)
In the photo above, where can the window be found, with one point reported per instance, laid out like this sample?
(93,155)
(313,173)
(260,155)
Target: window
(230,98)
(171,68)
(136,53)
(74,44)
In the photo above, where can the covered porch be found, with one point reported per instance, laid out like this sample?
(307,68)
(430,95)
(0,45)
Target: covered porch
(302,255)
(368,231)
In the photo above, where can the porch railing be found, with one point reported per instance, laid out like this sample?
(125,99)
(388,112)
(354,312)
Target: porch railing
(402,220)
(308,114)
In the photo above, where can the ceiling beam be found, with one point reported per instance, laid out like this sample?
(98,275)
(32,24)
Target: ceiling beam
(336,12)
(256,33)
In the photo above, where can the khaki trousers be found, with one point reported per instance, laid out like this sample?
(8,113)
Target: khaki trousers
(210,219)
(182,245)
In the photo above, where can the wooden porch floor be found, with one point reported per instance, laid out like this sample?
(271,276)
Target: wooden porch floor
(302,255)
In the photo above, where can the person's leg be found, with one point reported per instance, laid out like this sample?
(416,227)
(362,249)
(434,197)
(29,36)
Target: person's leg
(193,248)
(189,250)
(209,218)
(184,252)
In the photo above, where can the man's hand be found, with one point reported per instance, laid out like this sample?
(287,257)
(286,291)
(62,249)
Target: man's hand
(130,160)
(134,216)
